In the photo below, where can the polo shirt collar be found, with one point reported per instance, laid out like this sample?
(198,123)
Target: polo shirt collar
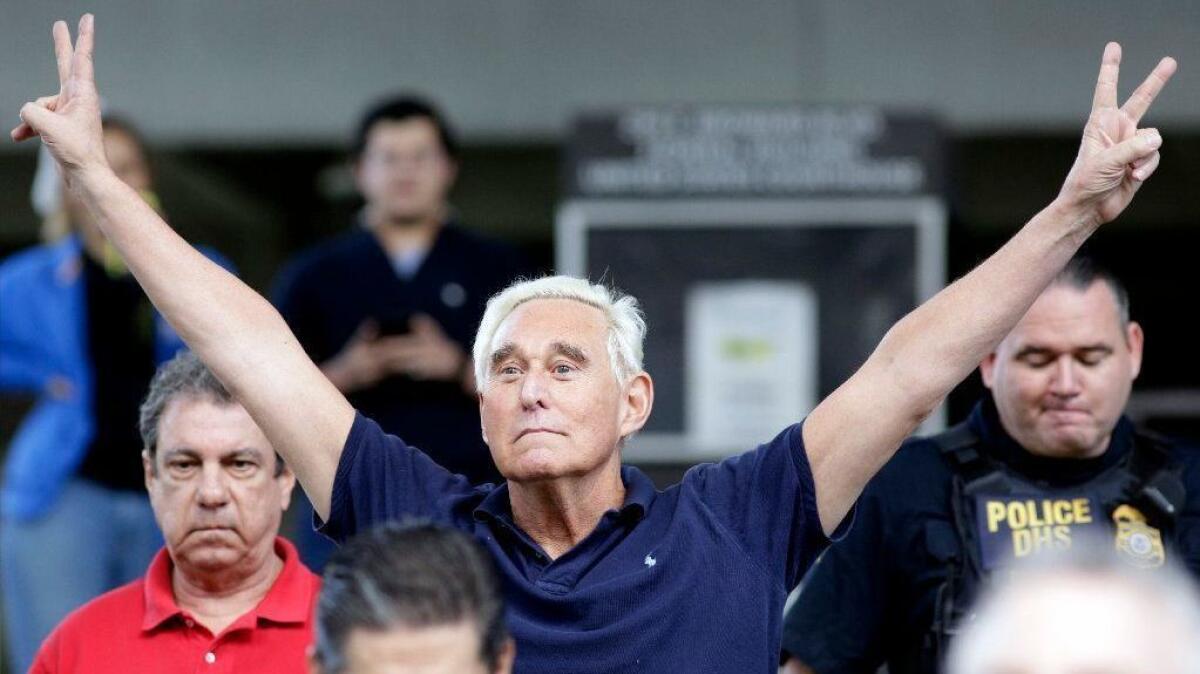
(288,600)
(639,494)
(160,599)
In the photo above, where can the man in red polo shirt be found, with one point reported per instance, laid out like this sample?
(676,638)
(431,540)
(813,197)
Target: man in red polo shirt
(226,594)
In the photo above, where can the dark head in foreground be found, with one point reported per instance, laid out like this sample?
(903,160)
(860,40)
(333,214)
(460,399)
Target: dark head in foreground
(411,598)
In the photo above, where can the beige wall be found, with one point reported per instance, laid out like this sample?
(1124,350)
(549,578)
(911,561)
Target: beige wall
(284,71)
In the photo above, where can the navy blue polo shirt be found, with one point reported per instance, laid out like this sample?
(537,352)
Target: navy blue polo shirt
(690,579)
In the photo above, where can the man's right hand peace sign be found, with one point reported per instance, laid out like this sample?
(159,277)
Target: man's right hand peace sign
(1115,157)
(69,121)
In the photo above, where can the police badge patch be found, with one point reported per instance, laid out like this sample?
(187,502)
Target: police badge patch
(1136,541)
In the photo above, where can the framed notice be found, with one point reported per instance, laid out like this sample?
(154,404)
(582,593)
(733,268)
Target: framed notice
(810,286)
(751,359)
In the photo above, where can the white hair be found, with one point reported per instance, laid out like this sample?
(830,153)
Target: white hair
(626,325)
(1087,589)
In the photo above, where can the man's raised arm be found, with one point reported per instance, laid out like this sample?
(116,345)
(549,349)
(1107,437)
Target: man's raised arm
(236,332)
(854,431)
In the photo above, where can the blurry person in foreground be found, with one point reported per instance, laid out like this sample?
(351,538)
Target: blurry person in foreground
(411,597)
(1083,612)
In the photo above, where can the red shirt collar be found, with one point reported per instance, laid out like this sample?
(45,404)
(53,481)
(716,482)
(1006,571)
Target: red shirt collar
(288,601)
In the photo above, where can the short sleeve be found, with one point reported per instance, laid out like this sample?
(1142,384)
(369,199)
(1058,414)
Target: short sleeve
(835,625)
(767,498)
(380,478)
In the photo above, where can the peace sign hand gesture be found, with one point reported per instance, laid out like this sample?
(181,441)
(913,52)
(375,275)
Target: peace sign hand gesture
(69,122)
(1115,156)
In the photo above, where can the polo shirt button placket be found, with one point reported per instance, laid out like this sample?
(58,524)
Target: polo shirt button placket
(210,657)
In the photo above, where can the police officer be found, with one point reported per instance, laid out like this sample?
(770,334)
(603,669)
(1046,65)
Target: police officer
(1047,457)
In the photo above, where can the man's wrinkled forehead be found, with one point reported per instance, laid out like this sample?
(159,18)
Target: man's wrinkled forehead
(204,424)
(550,324)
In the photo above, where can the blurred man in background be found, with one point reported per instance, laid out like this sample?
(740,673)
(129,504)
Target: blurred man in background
(411,597)
(226,592)
(77,331)
(388,309)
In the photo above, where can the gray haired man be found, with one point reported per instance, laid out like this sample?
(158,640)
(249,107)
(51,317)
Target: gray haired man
(226,590)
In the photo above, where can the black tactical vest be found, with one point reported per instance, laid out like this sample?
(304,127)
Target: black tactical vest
(999,514)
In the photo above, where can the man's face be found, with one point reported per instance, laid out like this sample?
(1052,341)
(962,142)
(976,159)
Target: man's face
(1062,377)
(404,173)
(213,486)
(440,649)
(552,406)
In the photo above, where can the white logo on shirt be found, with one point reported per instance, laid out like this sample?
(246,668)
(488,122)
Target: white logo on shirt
(454,295)
(650,561)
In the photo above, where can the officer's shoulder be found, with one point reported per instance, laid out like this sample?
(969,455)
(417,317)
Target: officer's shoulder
(1182,450)
(919,458)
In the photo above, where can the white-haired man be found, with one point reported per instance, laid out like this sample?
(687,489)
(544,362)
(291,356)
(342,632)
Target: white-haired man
(601,570)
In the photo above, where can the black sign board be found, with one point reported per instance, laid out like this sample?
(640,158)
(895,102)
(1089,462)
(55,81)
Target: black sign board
(729,151)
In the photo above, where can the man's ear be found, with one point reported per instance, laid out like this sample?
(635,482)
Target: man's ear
(287,482)
(1135,338)
(314,664)
(356,170)
(149,472)
(506,656)
(639,400)
(482,428)
(987,369)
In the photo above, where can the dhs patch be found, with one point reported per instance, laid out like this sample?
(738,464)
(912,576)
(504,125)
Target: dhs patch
(1137,542)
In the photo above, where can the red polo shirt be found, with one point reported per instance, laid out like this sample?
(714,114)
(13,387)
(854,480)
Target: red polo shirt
(140,628)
